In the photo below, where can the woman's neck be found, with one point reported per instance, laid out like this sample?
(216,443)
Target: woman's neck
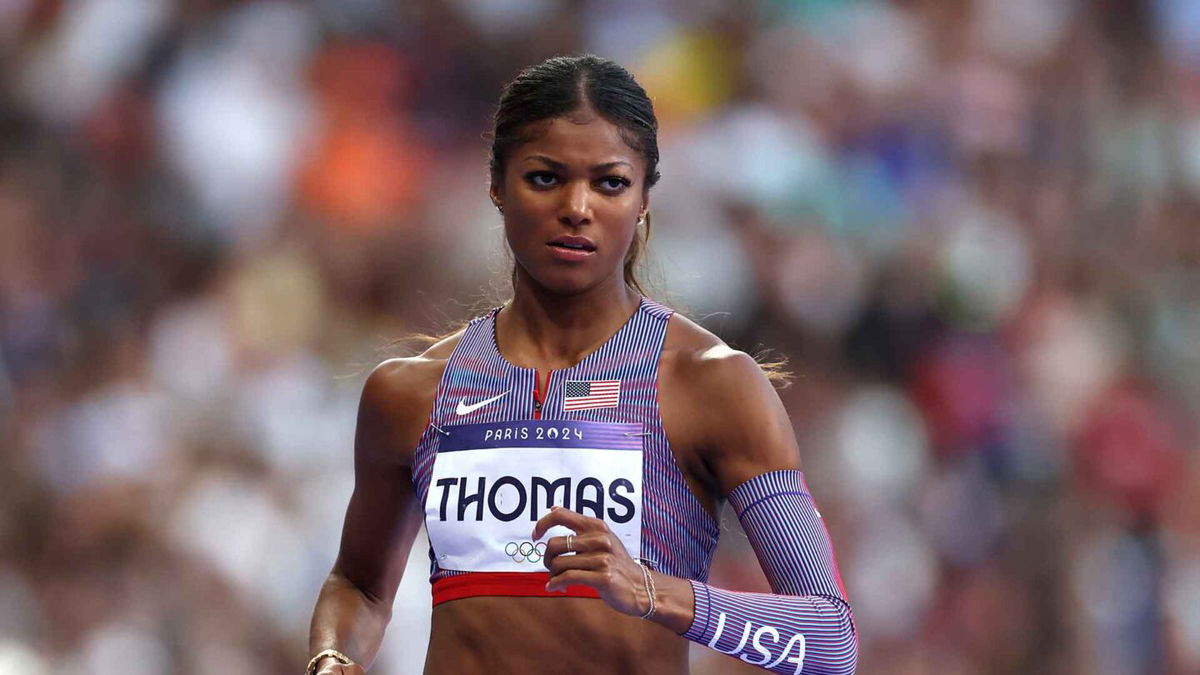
(546,331)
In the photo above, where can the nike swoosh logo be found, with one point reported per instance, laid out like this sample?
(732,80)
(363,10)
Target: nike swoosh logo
(464,409)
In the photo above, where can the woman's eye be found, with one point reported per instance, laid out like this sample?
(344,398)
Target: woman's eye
(541,179)
(614,183)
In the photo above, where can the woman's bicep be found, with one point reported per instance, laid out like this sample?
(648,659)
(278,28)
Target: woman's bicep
(750,433)
(381,522)
(383,516)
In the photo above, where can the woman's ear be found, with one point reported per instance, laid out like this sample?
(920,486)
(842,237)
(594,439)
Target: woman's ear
(494,191)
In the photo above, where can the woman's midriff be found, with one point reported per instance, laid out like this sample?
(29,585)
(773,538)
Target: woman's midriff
(548,635)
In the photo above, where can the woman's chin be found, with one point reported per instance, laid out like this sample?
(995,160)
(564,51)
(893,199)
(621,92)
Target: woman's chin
(565,284)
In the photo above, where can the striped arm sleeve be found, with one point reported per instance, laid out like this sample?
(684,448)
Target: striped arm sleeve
(805,627)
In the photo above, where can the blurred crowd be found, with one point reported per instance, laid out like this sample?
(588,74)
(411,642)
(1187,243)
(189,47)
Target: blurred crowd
(972,227)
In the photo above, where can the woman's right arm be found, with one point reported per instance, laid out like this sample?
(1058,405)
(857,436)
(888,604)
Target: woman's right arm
(355,603)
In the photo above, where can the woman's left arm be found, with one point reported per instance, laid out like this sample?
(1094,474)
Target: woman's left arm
(805,627)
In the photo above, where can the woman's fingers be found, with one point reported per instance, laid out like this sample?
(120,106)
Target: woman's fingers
(596,562)
(567,518)
(600,560)
(580,543)
(575,577)
(592,535)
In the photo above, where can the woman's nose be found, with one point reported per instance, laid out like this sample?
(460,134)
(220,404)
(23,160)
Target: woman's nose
(576,206)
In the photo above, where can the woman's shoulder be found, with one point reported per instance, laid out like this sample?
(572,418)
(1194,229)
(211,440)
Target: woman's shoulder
(707,388)
(402,390)
(720,404)
(413,376)
(693,354)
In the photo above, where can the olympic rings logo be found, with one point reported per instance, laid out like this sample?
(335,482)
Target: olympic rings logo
(525,551)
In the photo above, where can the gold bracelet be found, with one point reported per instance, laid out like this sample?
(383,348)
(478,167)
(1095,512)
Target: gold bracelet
(648,584)
(337,656)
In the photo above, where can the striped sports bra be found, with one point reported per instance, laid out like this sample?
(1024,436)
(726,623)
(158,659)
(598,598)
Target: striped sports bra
(497,452)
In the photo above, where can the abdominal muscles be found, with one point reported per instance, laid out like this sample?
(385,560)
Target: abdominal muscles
(548,635)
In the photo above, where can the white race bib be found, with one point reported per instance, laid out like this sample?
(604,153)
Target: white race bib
(492,482)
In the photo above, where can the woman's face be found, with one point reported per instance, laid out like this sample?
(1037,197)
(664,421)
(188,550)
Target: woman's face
(571,199)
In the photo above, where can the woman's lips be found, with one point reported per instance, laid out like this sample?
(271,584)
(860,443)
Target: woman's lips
(569,254)
(573,241)
(571,248)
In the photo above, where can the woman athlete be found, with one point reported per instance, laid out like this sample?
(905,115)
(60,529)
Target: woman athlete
(578,443)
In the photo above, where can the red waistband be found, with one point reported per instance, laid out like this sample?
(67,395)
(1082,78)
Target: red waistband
(503,584)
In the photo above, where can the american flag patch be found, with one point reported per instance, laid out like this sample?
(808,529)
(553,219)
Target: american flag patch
(589,394)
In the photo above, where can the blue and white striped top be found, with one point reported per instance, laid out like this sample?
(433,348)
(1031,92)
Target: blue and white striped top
(678,535)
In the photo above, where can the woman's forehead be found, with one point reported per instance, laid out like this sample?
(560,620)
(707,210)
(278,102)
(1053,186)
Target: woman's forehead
(578,139)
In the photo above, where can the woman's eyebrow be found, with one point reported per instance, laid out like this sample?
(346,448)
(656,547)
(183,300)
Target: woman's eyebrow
(559,166)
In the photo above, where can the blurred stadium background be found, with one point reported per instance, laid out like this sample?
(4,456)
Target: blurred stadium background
(973,227)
